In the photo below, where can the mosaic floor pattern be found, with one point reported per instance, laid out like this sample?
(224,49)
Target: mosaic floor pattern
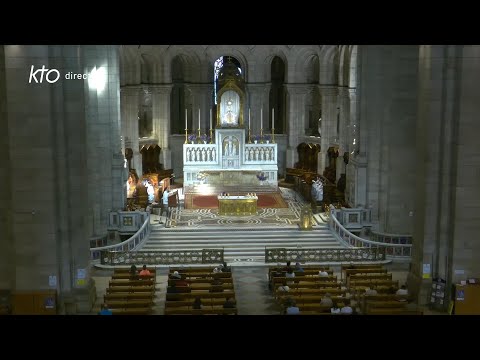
(275,217)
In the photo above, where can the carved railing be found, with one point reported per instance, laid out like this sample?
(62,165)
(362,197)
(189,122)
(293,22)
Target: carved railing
(260,154)
(128,245)
(392,251)
(390,238)
(200,154)
(279,255)
(204,256)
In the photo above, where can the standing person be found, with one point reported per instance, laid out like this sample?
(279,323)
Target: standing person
(165,202)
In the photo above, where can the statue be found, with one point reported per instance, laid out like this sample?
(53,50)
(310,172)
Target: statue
(204,153)
(230,147)
(214,155)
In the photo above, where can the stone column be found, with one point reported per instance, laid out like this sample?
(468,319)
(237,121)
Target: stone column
(329,122)
(297,97)
(446,218)
(130,98)
(7,263)
(343,136)
(201,99)
(257,98)
(161,121)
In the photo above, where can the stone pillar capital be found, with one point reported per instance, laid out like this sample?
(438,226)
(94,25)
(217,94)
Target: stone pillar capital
(130,90)
(328,90)
(299,89)
(164,89)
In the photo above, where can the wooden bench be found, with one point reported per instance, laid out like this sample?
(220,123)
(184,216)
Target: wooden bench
(349,272)
(199,281)
(202,295)
(207,275)
(127,270)
(132,311)
(374,283)
(128,296)
(204,311)
(311,292)
(128,282)
(205,302)
(114,304)
(131,289)
(127,276)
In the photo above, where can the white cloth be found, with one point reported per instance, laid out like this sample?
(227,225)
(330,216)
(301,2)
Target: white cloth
(322,273)
(284,288)
(165,198)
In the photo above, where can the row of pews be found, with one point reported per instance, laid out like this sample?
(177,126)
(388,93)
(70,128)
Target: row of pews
(211,288)
(131,295)
(307,289)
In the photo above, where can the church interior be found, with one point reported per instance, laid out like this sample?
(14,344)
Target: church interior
(239,179)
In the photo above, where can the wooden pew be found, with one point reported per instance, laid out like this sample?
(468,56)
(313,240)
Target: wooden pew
(128,282)
(202,295)
(200,281)
(205,302)
(127,276)
(128,296)
(115,304)
(132,311)
(205,311)
(131,289)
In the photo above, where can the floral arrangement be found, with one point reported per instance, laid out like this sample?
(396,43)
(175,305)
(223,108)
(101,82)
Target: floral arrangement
(205,137)
(266,137)
(261,176)
(192,137)
(256,137)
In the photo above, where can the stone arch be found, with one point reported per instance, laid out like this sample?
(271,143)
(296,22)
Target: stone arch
(353,67)
(329,65)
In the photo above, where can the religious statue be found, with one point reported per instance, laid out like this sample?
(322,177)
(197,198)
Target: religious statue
(256,153)
(230,147)
(204,153)
(209,154)
(214,154)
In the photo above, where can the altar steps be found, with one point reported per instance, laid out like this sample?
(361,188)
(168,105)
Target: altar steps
(239,244)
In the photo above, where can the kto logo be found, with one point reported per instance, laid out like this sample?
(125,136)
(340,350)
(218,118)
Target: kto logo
(51,78)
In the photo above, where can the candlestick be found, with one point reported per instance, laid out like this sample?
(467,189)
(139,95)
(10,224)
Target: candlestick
(199,118)
(186,136)
(210,120)
(273,118)
(249,136)
(249,118)
(261,118)
(211,135)
(186,117)
(273,135)
(261,135)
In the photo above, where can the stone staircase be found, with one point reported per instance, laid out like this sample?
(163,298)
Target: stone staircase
(239,245)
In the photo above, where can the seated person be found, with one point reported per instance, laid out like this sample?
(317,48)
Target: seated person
(175,275)
(225,268)
(288,267)
(145,271)
(335,309)
(105,310)
(327,300)
(402,293)
(346,310)
(292,308)
(229,303)
(182,282)
(370,291)
(323,273)
(197,303)
(298,267)
(284,287)
(290,274)
(133,272)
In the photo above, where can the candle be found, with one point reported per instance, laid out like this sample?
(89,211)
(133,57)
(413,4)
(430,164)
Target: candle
(273,118)
(249,118)
(199,118)
(210,118)
(186,121)
(261,118)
